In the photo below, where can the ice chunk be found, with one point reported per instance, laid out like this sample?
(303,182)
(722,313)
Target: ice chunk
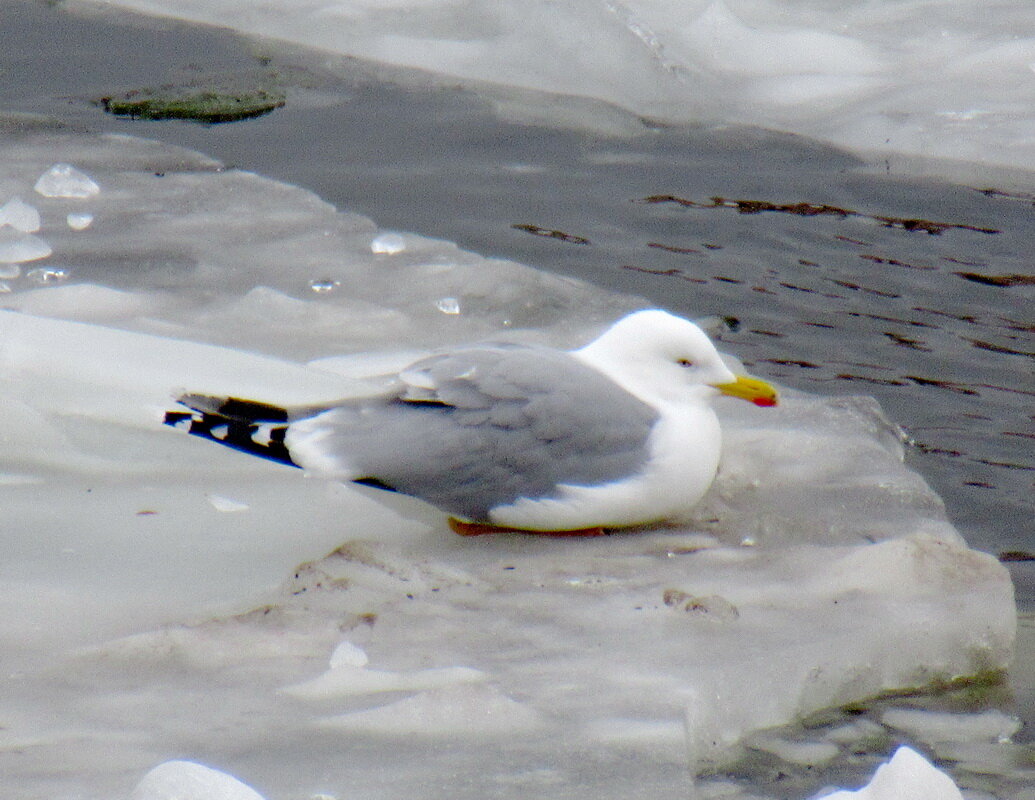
(448,305)
(187,780)
(907,776)
(8,271)
(64,180)
(346,654)
(935,726)
(79,221)
(17,248)
(388,244)
(20,216)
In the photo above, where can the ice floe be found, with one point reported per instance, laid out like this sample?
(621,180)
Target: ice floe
(819,571)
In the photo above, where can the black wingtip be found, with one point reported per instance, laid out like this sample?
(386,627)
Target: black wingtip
(258,438)
(234,408)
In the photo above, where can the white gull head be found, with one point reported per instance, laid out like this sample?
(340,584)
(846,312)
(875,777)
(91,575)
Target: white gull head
(663,359)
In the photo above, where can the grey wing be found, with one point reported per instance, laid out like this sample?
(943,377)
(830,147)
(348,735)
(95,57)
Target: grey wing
(477,428)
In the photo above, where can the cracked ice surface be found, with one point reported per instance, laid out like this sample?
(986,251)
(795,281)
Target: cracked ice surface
(314,641)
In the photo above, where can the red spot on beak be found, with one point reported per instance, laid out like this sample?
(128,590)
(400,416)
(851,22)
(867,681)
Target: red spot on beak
(765,402)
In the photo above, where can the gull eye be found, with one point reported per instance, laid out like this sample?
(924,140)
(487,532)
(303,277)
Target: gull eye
(684,362)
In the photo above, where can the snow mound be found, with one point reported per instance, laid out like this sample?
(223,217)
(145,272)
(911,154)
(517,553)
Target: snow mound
(185,780)
(907,776)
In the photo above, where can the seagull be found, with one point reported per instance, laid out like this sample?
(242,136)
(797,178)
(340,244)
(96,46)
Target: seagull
(619,433)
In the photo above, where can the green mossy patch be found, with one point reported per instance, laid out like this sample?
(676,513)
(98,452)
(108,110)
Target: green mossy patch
(959,694)
(207,105)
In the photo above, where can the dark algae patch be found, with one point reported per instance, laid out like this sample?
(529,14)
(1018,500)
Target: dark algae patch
(998,280)
(549,233)
(207,105)
(818,210)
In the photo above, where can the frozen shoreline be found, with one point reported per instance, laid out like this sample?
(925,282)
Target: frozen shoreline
(949,81)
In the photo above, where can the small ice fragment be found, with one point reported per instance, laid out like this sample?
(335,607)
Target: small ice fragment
(347,654)
(79,222)
(388,244)
(20,216)
(187,780)
(448,305)
(226,504)
(64,180)
(4,288)
(324,285)
(9,271)
(17,248)
(47,276)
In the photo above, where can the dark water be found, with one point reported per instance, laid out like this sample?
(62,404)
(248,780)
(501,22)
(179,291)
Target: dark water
(844,279)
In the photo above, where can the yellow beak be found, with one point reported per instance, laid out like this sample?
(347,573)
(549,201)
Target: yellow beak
(757,391)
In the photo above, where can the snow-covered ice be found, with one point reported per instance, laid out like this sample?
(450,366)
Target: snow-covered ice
(185,780)
(941,79)
(907,776)
(819,570)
